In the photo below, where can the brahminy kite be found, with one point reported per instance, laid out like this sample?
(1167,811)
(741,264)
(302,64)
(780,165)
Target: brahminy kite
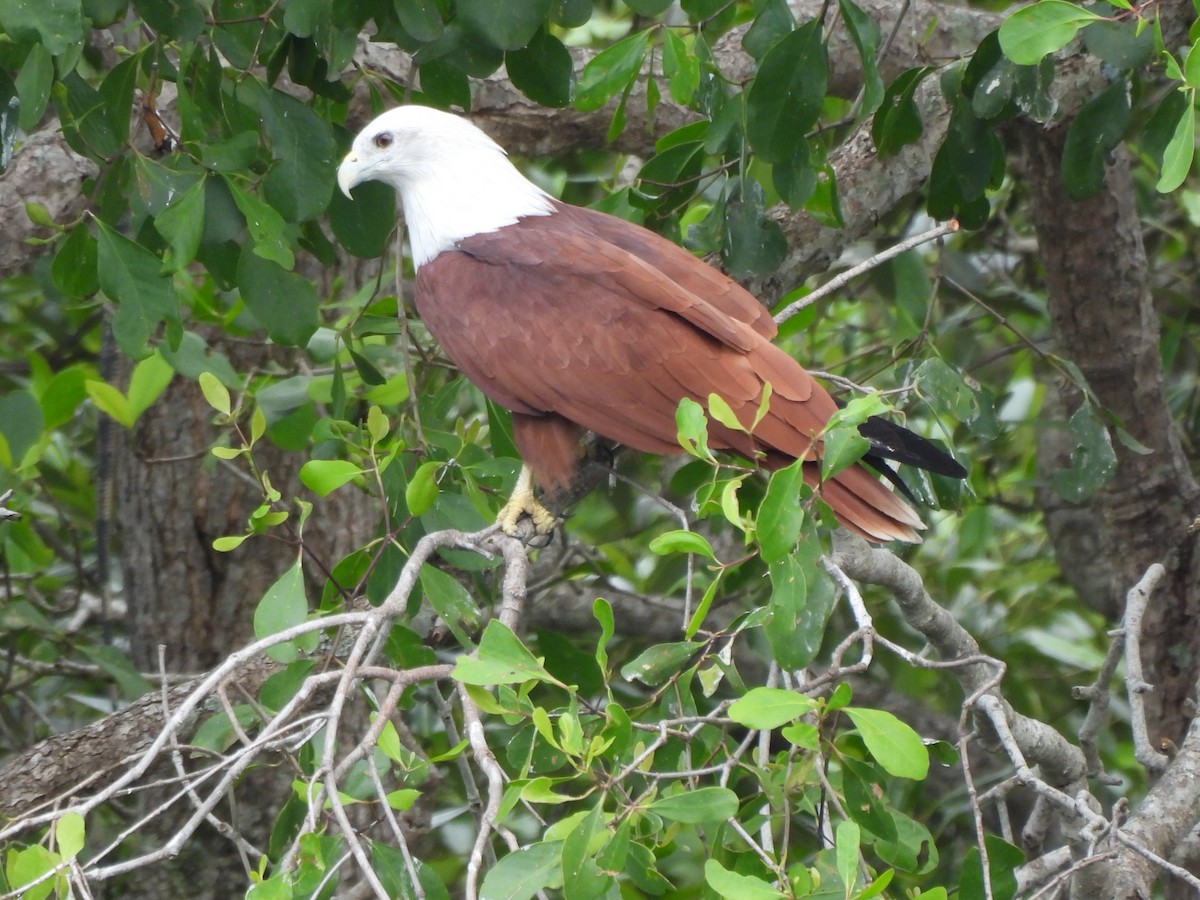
(578,321)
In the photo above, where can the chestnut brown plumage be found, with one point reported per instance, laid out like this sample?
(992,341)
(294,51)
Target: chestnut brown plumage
(575,320)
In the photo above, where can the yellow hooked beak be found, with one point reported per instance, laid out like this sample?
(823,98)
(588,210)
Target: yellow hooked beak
(349,173)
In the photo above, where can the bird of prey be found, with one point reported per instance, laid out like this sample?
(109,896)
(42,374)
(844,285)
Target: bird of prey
(579,321)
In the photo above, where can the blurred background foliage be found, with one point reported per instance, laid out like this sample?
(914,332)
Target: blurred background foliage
(211,221)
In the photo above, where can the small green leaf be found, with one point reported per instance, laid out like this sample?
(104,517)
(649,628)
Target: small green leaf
(766,708)
(865,34)
(74,267)
(150,378)
(422,491)
(131,276)
(682,542)
(843,447)
(847,839)
(1181,148)
(542,70)
(324,476)
(1093,460)
(182,225)
(110,401)
(681,68)
(720,410)
(801,600)
(285,303)
(1093,135)
(892,743)
(215,393)
(69,834)
(692,428)
(706,804)
(785,99)
(523,873)
(33,82)
(228,543)
(736,886)
(55,24)
(501,659)
(283,606)
(508,26)
(897,122)
(660,662)
(1037,30)
(611,71)
(780,516)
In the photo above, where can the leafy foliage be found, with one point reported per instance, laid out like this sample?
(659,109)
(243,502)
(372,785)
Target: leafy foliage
(630,764)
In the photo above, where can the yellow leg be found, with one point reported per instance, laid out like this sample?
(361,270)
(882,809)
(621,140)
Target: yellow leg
(524,503)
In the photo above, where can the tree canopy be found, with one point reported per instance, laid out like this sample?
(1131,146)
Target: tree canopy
(259,634)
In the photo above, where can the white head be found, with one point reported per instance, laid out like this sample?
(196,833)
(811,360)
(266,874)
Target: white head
(453,180)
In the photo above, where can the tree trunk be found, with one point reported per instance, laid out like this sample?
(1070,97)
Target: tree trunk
(173,498)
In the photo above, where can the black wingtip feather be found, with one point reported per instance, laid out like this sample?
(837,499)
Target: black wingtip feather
(892,441)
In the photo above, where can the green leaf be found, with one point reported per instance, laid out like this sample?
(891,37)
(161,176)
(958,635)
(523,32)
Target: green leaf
(706,804)
(611,71)
(1093,460)
(801,601)
(55,24)
(542,71)
(366,224)
(229,542)
(324,476)
(451,602)
(74,269)
(682,542)
(897,122)
(736,886)
(111,401)
(865,34)
(21,422)
(847,839)
(29,864)
(182,225)
(62,395)
(1094,134)
(843,447)
(1003,862)
(501,659)
(283,606)
(582,878)
(132,277)
(266,227)
(302,179)
(780,516)
(150,378)
(1035,31)
(285,303)
(765,708)
(524,872)
(69,835)
(508,26)
(786,98)
(422,491)
(754,244)
(892,743)
(773,23)
(215,393)
(692,428)
(660,662)
(33,83)
(681,68)
(1180,150)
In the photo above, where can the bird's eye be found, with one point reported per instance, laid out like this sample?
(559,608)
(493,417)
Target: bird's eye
(383,140)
